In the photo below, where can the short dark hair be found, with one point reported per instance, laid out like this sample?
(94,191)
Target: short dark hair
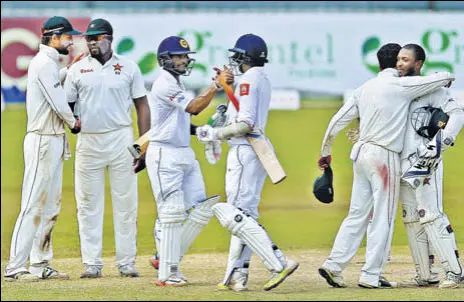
(388,55)
(419,53)
(45,40)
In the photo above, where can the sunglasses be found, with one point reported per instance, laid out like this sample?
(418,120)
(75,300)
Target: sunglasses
(95,37)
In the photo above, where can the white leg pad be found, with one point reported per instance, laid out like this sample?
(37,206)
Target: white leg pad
(197,219)
(171,215)
(239,258)
(443,240)
(247,229)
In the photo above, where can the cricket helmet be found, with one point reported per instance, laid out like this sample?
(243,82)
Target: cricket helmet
(249,49)
(174,46)
(323,186)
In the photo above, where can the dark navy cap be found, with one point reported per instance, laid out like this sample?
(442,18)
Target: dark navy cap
(99,27)
(58,25)
(322,188)
(174,46)
(252,46)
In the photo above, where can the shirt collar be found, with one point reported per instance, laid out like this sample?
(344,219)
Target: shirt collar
(388,72)
(166,74)
(51,52)
(114,56)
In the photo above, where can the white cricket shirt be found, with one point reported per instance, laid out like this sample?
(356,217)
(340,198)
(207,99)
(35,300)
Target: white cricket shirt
(104,93)
(253,92)
(382,105)
(170,123)
(46,106)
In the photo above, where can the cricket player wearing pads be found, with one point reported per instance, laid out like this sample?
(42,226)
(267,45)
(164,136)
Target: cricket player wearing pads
(102,88)
(245,174)
(45,147)
(175,174)
(422,196)
(382,105)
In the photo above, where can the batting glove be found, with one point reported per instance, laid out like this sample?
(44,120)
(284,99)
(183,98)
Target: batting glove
(324,162)
(213,151)
(206,133)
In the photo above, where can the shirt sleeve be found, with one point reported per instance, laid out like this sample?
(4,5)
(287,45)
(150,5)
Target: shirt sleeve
(70,87)
(248,100)
(50,85)
(456,119)
(171,96)
(138,87)
(339,121)
(417,86)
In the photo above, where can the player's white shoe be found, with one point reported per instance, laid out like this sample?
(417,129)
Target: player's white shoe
(128,270)
(237,283)
(91,271)
(47,272)
(24,276)
(154,262)
(278,278)
(416,281)
(173,281)
(451,281)
(334,279)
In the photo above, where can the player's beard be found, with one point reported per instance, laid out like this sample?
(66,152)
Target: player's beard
(411,72)
(100,49)
(64,47)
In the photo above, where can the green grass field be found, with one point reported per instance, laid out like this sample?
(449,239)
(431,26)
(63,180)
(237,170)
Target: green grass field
(296,221)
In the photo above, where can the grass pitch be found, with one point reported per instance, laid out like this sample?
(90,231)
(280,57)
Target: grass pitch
(296,221)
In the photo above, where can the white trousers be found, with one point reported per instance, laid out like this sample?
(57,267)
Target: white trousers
(40,201)
(245,178)
(95,154)
(173,169)
(375,187)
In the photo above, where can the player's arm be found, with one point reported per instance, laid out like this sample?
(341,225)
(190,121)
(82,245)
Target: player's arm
(339,121)
(71,90)
(50,85)
(202,101)
(417,86)
(455,122)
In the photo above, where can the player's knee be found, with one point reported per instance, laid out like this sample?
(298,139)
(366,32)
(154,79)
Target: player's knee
(172,209)
(202,212)
(410,214)
(229,216)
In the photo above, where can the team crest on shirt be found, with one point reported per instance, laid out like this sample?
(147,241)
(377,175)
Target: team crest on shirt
(244,89)
(117,68)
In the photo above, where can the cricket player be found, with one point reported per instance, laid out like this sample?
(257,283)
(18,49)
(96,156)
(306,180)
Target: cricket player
(423,214)
(102,88)
(45,148)
(245,174)
(175,174)
(382,105)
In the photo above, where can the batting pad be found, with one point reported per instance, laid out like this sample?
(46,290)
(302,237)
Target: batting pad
(443,240)
(169,250)
(419,246)
(247,229)
(239,258)
(197,219)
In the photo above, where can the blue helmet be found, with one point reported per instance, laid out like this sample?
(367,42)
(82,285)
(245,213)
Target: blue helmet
(250,50)
(175,46)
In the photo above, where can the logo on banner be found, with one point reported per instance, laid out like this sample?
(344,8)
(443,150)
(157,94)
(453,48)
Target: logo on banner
(437,43)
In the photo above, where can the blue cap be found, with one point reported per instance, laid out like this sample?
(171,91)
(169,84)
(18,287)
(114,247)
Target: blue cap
(252,46)
(174,46)
(58,25)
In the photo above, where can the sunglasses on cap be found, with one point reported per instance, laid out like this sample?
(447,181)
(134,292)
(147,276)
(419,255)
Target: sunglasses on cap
(95,37)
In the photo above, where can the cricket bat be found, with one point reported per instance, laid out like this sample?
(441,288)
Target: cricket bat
(139,147)
(260,144)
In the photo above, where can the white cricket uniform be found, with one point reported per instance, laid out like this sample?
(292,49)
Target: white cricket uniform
(175,175)
(104,99)
(45,147)
(245,174)
(427,198)
(382,106)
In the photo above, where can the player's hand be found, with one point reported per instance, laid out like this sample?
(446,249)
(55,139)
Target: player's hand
(324,162)
(213,151)
(77,127)
(138,164)
(206,133)
(226,74)
(76,59)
